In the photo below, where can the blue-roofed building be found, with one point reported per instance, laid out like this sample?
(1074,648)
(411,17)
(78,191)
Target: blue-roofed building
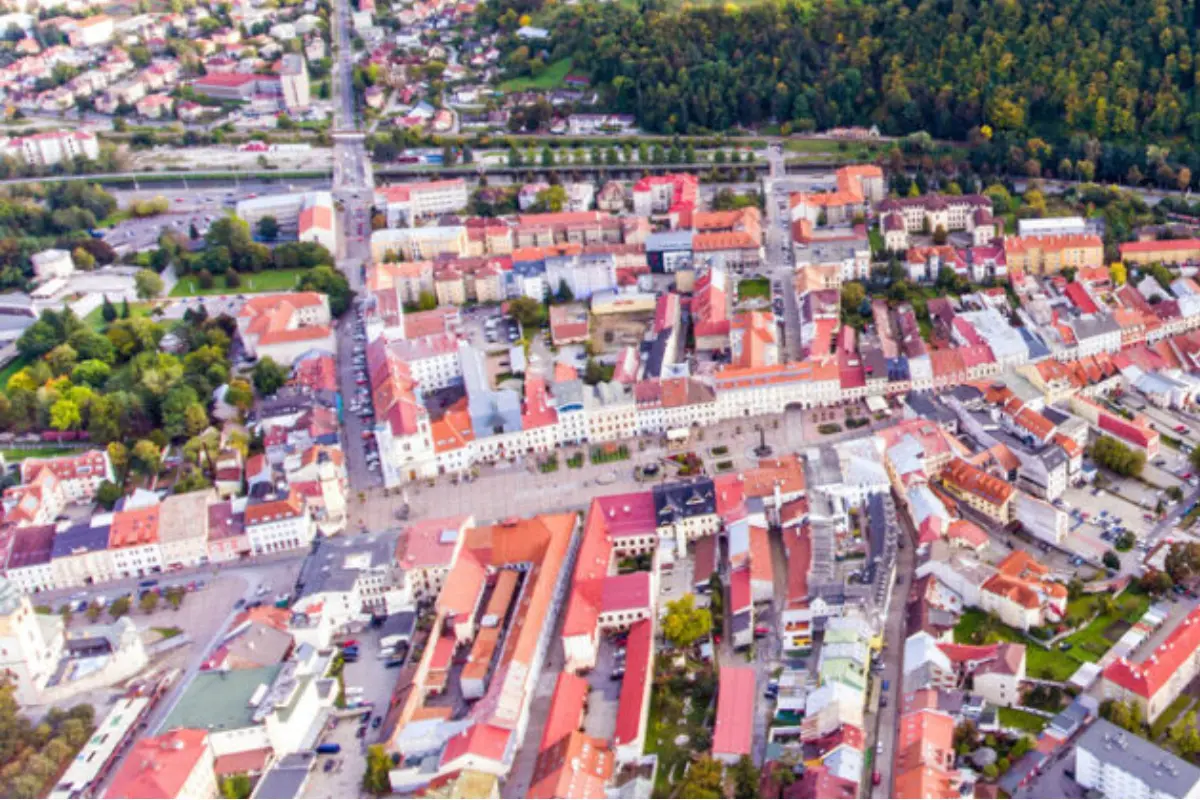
(527,278)
(79,554)
(1037,348)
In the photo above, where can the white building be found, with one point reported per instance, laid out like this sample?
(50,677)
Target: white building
(277,525)
(405,203)
(30,644)
(293,79)
(1115,763)
(47,149)
(50,264)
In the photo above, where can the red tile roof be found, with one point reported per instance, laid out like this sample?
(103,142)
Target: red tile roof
(135,527)
(576,766)
(481,741)
(734,728)
(566,708)
(639,660)
(629,592)
(1146,678)
(158,767)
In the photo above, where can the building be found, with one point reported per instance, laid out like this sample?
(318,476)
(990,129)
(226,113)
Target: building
(53,147)
(97,758)
(427,549)
(1049,255)
(31,644)
(898,218)
(178,764)
(985,493)
(858,187)
(1021,595)
(736,702)
(276,525)
(237,85)
(670,196)
(1166,251)
(1112,762)
(133,541)
(78,475)
(183,530)
(50,264)
(285,326)
(1155,682)
(405,203)
(293,80)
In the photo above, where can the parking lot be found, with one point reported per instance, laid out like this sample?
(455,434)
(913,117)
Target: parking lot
(361,448)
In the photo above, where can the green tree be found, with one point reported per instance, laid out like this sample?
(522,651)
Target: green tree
(527,311)
(107,494)
(174,596)
(746,778)
(1111,560)
(108,311)
(236,787)
(148,602)
(268,229)
(269,376)
(119,607)
(684,623)
(65,416)
(375,780)
(147,284)
(426,301)
(146,457)
(703,781)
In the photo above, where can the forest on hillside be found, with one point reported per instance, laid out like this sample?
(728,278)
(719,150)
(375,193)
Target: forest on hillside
(1112,69)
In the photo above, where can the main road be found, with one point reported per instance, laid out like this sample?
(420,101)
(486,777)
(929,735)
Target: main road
(353,181)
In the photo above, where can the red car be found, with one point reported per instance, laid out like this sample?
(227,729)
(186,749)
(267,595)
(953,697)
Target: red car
(348,643)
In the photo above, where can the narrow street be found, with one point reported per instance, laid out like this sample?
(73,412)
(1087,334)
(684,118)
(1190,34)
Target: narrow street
(887,719)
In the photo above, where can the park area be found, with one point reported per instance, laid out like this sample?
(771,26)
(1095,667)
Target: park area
(278,280)
(1113,616)
(682,712)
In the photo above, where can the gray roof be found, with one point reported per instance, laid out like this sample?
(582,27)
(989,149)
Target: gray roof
(669,240)
(82,538)
(1096,325)
(326,568)
(1054,415)
(1165,773)
(929,408)
(286,778)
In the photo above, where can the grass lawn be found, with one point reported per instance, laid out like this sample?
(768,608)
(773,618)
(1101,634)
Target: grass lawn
(668,721)
(14,454)
(1022,720)
(12,368)
(1168,716)
(278,280)
(754,288)
(1091,642)
(549,78)
(1040,662)
(95,317)
(168,633)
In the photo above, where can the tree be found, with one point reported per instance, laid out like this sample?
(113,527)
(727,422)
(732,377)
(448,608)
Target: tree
(552,198)
(527,311)
(746,778)
(147,284)
(704,779)
(1111,560)
(240,395)
(146,457)
(236,787)
(65,416)
(684,623)
(148,602)
(268,229)
(940,235)
(1118,457)
(269,376)
(174,596)
(564,293)
(107,494)
(327,280)
(119,607)
(426,301)
(83,259)
(108,311)
(1117,273)
(94,610)
(375,780)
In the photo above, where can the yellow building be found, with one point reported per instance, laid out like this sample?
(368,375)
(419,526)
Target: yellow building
(1048,255)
